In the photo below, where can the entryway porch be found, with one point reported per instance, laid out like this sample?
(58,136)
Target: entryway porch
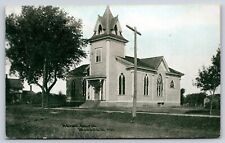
(95,88)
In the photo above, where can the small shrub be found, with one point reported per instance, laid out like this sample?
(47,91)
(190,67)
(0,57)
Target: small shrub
(195,99)
(215,103)
(57,100)
(36,99)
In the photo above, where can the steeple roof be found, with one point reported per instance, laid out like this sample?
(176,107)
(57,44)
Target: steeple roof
(107,19)
(108,23)
(107,12)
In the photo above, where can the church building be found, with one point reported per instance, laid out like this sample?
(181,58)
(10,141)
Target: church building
(108,79)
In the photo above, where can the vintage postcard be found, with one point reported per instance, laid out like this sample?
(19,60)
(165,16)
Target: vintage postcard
(112,71)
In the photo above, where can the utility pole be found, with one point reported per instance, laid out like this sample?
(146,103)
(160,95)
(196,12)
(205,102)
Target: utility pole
(135,70)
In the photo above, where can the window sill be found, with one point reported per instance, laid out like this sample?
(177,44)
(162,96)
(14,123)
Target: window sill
(98,62)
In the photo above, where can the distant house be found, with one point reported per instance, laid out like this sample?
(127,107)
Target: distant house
(108,79)
(14,89)
(27,95)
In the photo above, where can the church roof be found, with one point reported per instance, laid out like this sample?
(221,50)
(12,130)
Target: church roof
(150,63)
(174,71)
(79,71)
(139,62)
(153,62)
(108,36)
(108,21)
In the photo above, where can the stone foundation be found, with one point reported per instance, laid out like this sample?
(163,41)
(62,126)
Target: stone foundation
(139,104)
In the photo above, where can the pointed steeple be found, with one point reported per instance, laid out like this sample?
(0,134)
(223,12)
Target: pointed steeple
(108,25)
(108,12)
(107,18)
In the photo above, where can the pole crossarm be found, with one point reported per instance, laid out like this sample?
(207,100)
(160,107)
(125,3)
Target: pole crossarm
(133,29)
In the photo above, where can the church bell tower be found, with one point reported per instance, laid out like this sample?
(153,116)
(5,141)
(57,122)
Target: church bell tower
(107,43)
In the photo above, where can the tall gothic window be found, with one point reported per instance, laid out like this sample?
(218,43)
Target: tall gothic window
(159,85)
(172,84)
(99,29)
(146,85)
(98,55)
(121,84)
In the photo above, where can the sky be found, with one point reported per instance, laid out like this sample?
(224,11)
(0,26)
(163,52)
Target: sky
(186,35)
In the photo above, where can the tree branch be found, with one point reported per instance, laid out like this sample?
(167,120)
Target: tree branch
(54,82)
(38,84)
(210,92)
(49,77)
(214,90)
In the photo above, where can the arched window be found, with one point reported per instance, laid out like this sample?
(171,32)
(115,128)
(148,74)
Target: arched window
(84,87)
(98,55)
(115,29)
(172,84)
(159,85)
(146,85)
(73,88)
(99,29)
(121,84)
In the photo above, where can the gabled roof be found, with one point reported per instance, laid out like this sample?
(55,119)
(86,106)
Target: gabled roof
(79,71)
(139,62)
(151,63)
(176,72)
(14,83)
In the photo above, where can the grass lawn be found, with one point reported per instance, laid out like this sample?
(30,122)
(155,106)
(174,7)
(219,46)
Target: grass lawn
(31,122)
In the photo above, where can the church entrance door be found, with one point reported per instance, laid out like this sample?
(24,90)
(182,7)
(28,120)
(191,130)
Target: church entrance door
(97,86)
(96,95)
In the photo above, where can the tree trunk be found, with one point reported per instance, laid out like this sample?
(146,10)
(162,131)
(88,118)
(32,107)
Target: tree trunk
(47,99)
(44,84)
(210,110)
(211,101)
(42,99)
(45,89)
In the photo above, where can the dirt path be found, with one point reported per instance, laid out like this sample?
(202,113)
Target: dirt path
(141,112)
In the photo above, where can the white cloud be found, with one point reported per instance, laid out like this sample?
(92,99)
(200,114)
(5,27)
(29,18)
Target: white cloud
(150,20)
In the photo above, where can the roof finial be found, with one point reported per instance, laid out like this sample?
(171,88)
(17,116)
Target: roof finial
(108,12)
(107,7)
